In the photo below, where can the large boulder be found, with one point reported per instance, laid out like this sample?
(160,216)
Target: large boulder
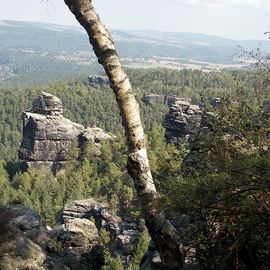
(28,221)
(151,259)
(47,138)
(78,232)
(47,135)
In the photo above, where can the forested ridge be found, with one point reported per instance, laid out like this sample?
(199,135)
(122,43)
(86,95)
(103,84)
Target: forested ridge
(97,107)
(226,200)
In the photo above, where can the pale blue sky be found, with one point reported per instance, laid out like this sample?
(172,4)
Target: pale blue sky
(239,19)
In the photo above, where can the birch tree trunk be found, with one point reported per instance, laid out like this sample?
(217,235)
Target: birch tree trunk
(162,232)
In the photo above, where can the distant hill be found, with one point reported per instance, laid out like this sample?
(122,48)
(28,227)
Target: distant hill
(28,46)
(41,36)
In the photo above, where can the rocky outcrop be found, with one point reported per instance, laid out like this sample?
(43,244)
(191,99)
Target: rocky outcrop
(152,261)
(48,136)
(151,99)
(124,231)
(19,228)
(182,122)
(79,233)
(170,100)
(73,243)
(98,80)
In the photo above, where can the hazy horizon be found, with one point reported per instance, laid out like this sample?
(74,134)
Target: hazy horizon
(234,19)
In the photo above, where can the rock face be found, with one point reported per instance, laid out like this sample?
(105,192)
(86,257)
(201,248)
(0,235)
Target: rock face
(48,136)
(170,100)
(19,226)
(182,122)
(73,243)
(124,232)
(151,259)
(98,80)
(47,104)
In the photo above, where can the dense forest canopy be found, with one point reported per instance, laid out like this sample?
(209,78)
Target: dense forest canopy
(240,179)
(90,107)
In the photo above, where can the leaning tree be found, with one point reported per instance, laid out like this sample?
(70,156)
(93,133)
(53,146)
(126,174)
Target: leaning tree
(160,229)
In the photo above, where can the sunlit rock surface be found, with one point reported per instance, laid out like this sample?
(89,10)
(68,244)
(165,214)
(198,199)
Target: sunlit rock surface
(48,136)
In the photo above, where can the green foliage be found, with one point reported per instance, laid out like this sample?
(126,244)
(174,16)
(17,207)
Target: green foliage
(97,107)
(40,191)
(5,188)
(105,236)
(141,248)
(229,213)
(165,159)
(225,195)
(112,263)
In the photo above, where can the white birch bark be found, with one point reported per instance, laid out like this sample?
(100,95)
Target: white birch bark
(162,232)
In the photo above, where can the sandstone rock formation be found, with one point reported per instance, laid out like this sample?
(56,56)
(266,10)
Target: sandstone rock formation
(151,259)
(48,136)
(151,99)
(98,80)
(19,226)
(124,231)
(170,100)
(73,243)
(182,122)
